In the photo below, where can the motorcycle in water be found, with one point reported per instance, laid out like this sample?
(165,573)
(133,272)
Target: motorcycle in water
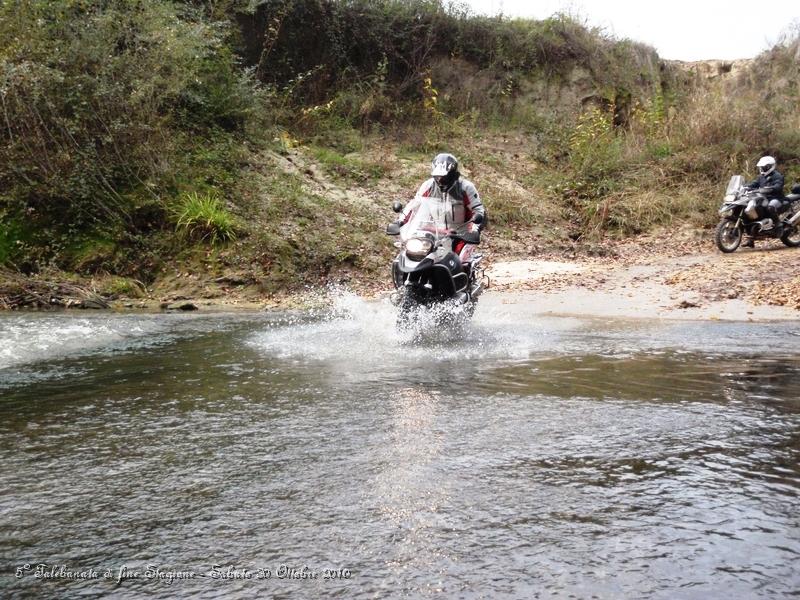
(427,272)
(744,212)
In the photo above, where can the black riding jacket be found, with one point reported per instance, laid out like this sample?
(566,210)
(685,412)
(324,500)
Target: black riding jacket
(772,185)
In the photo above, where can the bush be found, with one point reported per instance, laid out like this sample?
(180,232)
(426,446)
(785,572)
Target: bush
(371,58)
(102,100)
(204,218)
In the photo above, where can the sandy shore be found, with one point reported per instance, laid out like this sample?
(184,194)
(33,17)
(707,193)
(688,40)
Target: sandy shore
(707,286)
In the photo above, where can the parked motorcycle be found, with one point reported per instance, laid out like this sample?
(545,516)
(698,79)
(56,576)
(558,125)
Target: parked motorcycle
(427,272)
(744,212)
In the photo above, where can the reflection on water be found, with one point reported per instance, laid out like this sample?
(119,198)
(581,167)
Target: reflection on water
(520,457)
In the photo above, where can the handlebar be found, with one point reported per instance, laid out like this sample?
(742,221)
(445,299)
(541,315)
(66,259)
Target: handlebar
(755,190)
(470,237)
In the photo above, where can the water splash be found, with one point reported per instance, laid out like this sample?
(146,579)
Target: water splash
(359,331)
(37,337)
(27,338)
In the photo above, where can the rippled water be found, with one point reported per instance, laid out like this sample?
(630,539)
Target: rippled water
(520,457)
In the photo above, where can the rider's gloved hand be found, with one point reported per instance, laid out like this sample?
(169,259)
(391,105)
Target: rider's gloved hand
(393,228)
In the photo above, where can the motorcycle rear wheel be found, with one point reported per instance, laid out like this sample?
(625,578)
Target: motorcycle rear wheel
(791,236)
(728,235)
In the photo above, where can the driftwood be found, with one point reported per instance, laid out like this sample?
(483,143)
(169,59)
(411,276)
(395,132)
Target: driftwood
(21,291)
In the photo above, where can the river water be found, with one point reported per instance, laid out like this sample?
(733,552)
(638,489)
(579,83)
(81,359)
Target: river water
(328,455)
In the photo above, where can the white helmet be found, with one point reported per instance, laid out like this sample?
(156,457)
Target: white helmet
(766,165)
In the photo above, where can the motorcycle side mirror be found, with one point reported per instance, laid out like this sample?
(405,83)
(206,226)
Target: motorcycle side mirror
(393,229)
(477,219)
(397,206)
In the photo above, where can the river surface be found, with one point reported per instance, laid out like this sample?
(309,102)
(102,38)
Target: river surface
(328,455)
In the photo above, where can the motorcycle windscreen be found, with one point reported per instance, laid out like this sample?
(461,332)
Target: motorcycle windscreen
(430,216)
(736,182)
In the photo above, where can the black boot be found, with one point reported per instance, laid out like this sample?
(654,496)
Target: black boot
(777,226)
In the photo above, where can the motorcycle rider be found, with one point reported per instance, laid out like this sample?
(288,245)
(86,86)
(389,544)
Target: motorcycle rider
(446,183)
(770,183)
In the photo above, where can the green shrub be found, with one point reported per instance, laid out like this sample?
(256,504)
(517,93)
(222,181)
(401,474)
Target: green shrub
(594,147)
(101,98)
(205,218)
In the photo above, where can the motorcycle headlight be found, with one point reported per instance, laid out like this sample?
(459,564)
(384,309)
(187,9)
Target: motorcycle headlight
(418,247)
(726,212)
(730,197)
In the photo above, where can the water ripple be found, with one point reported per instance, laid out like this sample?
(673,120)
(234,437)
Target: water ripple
(521,458)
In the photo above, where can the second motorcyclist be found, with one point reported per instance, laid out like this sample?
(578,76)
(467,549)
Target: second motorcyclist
(770,183)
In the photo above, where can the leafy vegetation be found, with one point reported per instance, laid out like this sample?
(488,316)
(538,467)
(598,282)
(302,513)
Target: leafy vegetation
(101,102)
(204,218)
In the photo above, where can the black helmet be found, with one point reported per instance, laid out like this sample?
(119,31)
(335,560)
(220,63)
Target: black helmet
(444,170)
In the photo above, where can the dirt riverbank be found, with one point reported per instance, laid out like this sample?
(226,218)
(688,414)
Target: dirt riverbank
(659,276)
(686,278)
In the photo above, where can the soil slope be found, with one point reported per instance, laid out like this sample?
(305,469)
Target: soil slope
(673,273)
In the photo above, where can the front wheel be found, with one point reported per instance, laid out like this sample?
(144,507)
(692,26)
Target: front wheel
(728,235)
(791,235)
(407,307)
